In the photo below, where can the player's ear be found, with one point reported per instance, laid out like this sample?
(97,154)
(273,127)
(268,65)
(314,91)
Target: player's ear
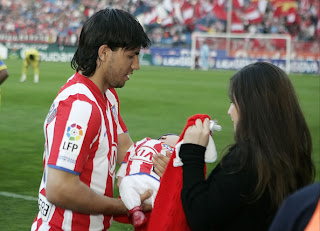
(103,52)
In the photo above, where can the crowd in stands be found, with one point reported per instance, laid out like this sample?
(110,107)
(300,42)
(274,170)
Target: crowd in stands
(167,22)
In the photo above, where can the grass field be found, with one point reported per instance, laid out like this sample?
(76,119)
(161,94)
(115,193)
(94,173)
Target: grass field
(155,101)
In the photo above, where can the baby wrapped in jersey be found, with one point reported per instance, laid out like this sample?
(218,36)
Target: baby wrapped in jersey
(136,174)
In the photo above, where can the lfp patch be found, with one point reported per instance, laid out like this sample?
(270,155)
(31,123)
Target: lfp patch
(71,143)
(74,132)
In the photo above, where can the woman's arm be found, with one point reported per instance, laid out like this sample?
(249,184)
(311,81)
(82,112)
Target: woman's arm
(212,202)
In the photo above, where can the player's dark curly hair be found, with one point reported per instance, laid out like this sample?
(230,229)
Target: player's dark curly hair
(112,27)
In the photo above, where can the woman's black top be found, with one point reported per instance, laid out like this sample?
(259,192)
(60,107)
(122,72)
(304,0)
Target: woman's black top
(223,201)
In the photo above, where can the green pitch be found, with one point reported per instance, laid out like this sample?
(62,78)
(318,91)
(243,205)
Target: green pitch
(155,101)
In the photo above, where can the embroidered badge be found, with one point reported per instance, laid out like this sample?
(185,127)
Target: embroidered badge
(74,132)
(52,113)
(114,112)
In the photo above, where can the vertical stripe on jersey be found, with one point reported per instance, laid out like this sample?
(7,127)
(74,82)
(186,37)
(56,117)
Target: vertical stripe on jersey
(95,222)
(71,148)
(112,151)
(66,224)
(56,220)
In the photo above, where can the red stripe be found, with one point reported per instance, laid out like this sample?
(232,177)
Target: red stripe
(80,221)
(63,111)
(93,128)
(57,218)
(43,191)
(141,144)
(39,223)
(146,167)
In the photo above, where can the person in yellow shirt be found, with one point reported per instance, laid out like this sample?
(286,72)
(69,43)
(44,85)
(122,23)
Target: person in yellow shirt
(32,58)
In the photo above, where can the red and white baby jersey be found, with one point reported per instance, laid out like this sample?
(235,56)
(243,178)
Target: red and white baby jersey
(138,159)
(137,171)
(81,137)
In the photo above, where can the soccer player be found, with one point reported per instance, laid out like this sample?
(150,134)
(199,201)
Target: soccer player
(32,58)
(85,135)
(136,174)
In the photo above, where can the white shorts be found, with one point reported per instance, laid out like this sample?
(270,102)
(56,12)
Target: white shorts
(132,186)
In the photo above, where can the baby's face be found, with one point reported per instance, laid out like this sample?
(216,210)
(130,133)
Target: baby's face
(170,139)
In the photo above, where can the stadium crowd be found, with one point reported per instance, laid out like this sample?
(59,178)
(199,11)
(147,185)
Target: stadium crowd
(168,22)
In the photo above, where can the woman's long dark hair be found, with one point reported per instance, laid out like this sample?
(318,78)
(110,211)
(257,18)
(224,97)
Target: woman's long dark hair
(271,135)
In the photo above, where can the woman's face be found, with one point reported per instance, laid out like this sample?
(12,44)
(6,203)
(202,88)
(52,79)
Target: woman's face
(233,113)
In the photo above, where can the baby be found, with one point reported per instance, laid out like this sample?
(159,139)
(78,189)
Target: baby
(136,174)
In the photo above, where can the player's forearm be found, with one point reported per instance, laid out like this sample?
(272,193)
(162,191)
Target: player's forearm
(68,192)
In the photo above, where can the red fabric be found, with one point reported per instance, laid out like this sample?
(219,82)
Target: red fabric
(125,220)
(238,3)
(220,12)
(168,213)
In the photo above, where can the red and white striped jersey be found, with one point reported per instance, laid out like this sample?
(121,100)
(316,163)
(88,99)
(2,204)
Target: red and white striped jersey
(81,137)
(138,159)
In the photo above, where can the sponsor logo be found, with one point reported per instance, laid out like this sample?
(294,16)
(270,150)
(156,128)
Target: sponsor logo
(44,207)
(67,159)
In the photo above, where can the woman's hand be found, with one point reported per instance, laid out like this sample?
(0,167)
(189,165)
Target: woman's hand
(198,133)
(160,163)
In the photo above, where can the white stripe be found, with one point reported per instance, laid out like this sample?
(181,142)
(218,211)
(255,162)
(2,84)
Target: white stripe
(67,221)
(8,194)
(80,114)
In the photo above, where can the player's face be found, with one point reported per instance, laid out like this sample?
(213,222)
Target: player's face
(233,113)
(120,65)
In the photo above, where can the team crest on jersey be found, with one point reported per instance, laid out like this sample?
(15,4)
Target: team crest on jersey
(52,113)
(114,112)
(168,147)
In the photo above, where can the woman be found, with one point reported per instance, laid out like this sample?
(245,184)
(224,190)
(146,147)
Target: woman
(270,159)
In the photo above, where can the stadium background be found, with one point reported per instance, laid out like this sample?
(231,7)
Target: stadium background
(158,98)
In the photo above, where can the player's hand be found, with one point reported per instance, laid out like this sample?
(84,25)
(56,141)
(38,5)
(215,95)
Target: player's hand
(160,163)
(143,197)
(198,133)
